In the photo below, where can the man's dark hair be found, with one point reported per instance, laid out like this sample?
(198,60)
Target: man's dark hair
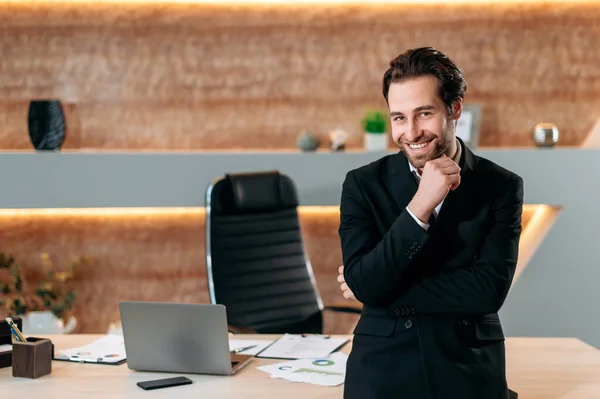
(425,61)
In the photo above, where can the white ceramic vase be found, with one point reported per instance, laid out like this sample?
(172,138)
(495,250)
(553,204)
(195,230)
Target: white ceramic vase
(40,323)
(376,141)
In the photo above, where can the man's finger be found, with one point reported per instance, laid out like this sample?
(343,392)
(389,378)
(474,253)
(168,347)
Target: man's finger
(344,287)
(453,181)
(442,161)
(348,294)
(340,278)
(450,169)
(341,269)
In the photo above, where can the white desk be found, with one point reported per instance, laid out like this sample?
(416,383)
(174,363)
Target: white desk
(538,368)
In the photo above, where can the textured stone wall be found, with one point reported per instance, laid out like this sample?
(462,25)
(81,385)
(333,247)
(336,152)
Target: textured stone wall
(193,76)
(149,256)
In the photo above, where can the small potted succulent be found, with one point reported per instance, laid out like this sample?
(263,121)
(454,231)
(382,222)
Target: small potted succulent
(374,124)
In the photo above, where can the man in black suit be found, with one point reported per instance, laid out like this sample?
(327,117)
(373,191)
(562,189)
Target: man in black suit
(429,240)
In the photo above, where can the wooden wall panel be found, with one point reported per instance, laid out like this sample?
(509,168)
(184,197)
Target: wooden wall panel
(153,257)
(186,76)
(149,257)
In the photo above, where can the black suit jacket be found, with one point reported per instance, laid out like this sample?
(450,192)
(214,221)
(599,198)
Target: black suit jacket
(429,328)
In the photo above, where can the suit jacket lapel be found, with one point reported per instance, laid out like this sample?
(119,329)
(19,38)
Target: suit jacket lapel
(400,182)
(460,199)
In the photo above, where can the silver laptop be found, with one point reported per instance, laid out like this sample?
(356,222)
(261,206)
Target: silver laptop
(178,337)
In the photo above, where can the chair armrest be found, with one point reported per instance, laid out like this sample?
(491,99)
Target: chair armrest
(240,329)
(354,307)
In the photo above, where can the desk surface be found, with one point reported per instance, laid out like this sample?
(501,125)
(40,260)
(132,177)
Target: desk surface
(537,368)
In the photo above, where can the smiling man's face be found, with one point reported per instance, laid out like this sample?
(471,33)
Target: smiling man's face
(421,126)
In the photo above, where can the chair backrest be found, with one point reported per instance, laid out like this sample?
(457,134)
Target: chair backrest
(255,258)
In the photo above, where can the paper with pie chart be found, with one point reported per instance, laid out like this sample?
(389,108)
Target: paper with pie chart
(297,346)
(109,349)
(326,371)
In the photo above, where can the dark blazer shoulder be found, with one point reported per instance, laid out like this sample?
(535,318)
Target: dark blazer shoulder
(495,178)
(492,169)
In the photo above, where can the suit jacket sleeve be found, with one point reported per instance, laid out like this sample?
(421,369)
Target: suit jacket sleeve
(374,265)
(482,286)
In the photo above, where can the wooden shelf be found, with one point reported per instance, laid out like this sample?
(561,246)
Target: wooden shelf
(168,179)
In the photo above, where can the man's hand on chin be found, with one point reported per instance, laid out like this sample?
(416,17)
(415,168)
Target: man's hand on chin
(439,177)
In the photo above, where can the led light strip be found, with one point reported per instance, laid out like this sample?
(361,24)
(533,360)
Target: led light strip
(138,211)
(300,2)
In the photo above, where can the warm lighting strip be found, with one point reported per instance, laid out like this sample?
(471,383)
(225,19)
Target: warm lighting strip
(533,235)
(95,212)
(313,209)
(538,212)
(534,232)
(137,211)
(293,3)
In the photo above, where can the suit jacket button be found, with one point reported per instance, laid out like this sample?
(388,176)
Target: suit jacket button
(408,324)
(397,311)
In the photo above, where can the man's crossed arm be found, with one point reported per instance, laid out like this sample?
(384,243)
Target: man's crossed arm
(373,270)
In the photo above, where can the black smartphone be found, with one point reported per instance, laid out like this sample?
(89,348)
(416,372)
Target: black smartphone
(164,383)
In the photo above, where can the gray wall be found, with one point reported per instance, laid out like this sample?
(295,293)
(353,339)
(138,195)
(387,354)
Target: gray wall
(556,295)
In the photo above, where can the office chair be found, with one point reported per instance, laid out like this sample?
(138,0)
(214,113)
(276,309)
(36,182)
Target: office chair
(255,258)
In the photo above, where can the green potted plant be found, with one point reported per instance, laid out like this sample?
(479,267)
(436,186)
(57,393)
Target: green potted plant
(374,124)
(45,309)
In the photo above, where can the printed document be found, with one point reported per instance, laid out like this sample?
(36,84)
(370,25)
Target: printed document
(295,346)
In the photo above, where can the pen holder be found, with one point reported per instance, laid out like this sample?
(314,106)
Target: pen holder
(32,359)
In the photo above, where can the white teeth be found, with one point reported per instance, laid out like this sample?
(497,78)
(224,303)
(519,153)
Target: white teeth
(417,146)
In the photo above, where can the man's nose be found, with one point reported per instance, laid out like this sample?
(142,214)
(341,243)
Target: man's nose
(412,132)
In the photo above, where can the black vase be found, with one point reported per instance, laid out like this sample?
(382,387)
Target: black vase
(46,124)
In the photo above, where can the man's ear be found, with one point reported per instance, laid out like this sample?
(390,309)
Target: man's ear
(457,108)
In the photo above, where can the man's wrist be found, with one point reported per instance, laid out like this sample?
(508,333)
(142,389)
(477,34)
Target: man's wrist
(424,226)
(420,212)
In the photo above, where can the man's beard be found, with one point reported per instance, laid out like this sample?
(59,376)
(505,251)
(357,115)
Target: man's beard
(440,147)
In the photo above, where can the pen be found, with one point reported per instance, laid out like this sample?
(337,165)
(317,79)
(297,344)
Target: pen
(83,359)
(238,350)
(15,330)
